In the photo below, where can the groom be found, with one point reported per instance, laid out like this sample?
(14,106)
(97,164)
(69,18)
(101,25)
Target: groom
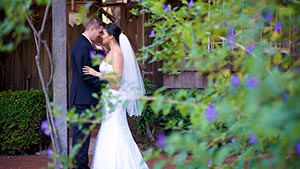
(84,85)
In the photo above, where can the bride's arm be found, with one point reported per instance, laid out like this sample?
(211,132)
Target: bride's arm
(90,71)
(112,77)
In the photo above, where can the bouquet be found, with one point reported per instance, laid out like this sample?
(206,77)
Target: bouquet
(100,49)
(98,54)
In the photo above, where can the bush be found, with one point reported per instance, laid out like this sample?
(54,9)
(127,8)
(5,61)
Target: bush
(21,113)
(147,114)
(170,116)
(249,109)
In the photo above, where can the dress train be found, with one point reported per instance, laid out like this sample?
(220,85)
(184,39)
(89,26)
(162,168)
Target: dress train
(115,146)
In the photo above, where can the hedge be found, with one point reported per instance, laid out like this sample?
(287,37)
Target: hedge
(21,113)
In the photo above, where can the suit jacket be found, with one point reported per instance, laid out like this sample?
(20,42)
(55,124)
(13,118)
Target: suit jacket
(83,85)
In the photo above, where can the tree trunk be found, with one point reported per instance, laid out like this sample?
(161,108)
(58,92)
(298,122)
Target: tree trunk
(59,48)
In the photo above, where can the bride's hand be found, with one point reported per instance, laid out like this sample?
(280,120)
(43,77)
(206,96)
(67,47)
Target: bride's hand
(90,71)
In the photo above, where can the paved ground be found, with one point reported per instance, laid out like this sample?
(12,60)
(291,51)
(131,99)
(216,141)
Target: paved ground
(23,162)
(39,162)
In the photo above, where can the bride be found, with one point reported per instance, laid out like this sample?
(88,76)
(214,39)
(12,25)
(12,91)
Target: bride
(115,147)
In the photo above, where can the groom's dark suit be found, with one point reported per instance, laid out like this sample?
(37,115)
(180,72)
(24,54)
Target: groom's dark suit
(81,93)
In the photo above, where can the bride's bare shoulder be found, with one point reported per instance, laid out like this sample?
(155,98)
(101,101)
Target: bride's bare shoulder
(118,54)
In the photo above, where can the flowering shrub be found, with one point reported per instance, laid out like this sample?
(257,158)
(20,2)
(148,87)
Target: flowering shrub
(249,110)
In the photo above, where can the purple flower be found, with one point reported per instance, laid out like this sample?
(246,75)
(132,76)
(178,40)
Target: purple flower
(210,113)
(100,56)
(166,8)
(298,69)
(284,95)
(45,127)
(268,16)
(224,23)
(235,80)
(49,152)
(233,140)
(190,4)
(209,163)
(197,7)
(152,33)
(58,122)
(231,37)
(250,48)
(93,54)
(298,148)
(285,43)
(252,82)
(278,26)
(252,139)
(161,140)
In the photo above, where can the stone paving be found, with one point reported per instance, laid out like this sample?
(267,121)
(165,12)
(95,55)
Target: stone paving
(24,162)
(40,161)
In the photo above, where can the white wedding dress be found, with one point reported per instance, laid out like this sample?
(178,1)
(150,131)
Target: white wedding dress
(115,146)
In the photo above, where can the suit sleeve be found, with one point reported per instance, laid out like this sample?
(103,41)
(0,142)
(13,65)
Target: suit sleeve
(83,59)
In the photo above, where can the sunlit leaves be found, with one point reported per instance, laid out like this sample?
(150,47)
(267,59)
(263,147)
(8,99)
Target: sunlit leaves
(13,24)
(252,82)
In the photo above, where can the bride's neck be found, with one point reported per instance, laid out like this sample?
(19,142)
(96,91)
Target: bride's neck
(113,45)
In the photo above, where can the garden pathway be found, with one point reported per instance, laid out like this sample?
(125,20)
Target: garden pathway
(41,160)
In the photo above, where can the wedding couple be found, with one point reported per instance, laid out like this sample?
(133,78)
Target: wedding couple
(119,72)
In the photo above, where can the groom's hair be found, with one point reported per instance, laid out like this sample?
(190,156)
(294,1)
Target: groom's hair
(94,22)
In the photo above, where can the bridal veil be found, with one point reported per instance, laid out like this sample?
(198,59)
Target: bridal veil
(132,81)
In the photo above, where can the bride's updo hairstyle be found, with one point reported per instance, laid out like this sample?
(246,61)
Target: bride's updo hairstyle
(113,29)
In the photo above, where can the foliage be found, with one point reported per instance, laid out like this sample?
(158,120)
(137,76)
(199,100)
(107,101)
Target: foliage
(20,119)
(249,108)
(169,117)
(13,22)
(175,117)
(147,113)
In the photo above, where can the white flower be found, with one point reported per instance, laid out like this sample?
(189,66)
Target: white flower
(98,47)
